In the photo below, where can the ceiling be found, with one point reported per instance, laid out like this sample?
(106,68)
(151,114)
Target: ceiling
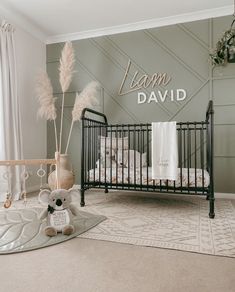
(59,20)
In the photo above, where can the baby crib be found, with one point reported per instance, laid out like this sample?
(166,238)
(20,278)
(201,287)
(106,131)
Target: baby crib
(118,156)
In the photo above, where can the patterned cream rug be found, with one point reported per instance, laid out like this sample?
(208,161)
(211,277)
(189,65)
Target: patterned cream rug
(166,221)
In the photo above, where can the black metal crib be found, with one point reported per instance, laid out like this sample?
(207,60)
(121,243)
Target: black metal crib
(195,150)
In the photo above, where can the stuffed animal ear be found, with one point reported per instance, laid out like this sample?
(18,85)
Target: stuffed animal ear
(75,194)
(43,197)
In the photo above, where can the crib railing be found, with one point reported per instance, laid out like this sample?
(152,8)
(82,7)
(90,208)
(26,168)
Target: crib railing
(24,173)
(195,153)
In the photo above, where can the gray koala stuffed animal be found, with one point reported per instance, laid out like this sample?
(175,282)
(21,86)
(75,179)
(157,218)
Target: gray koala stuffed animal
(59,212)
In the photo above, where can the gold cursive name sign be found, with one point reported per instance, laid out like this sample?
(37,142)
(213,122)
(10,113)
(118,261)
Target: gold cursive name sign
(143,81)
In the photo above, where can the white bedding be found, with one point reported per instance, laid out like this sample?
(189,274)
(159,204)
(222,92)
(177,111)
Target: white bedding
(142,178)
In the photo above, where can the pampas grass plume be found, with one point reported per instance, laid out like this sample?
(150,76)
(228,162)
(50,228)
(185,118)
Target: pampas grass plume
(87,98)
(66,66)
(45,97)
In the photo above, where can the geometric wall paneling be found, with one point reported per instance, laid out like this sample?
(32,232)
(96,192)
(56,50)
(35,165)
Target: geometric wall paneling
(224,174)
(191,50)
(132,97)
(103,70)
(221,95)
(114,113)
(225,141)
(225,115)
(199,100)
(224,72)
(168,108)
(52,70)
(50,140)
(149,52)
(179,50)
(199,30)
(53,52)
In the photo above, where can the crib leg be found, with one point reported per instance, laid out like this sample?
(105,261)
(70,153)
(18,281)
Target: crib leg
(106,190)
(212,206)
(208,197)
(82,203)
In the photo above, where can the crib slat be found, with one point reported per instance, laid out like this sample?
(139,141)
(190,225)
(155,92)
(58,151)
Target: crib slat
(180,158)
(116,155)
(88,150)
(188,152)
(111,158)
(100,128)
(148,156)
(122,136)
(94,150)
(185,165)
(105,162)
(129,141)
(195,162)
(140,150)
(134,146)
(202,157)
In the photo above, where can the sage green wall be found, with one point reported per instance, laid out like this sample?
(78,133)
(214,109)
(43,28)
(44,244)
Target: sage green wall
(181,51)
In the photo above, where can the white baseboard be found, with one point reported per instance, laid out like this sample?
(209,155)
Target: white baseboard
(225,196)
(229,196)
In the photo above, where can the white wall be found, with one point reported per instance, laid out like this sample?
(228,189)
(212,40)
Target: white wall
(31,57)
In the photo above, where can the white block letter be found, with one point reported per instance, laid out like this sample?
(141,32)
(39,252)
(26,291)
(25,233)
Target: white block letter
(152,97)
(162,97)
(139,97)
(180,94)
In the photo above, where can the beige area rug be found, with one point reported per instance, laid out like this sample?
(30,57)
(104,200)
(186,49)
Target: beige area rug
(173,222)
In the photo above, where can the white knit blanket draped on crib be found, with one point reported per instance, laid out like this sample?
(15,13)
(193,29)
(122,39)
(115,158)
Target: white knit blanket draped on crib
(164,151)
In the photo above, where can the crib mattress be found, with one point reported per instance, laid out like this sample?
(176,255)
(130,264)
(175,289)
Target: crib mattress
(144,176)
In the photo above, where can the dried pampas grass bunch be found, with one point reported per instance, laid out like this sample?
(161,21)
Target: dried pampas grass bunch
(67,61)
(47,109)
(87,98)
(44,91)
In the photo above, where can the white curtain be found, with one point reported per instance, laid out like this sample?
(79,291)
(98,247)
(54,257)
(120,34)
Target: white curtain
(10,126)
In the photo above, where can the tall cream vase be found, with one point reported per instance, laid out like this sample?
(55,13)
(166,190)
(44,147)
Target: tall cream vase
(66,175)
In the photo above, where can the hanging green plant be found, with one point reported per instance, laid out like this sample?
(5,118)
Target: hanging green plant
(225,48)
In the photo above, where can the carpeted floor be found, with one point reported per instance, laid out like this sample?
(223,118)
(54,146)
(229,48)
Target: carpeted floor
(83,265)
(101,266)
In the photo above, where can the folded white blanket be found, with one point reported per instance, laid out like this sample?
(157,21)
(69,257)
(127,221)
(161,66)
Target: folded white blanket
(164,151)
